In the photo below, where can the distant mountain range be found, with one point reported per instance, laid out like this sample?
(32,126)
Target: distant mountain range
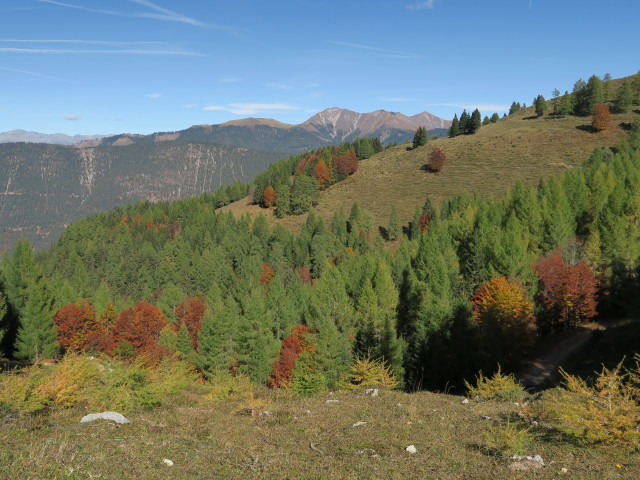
(35,137)
(44,187)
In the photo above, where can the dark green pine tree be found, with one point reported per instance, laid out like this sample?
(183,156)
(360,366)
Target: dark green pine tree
(540,105)
(624,98)
(283,200)
(454,129)
(36,334)
(595,93)
(486,121)
(391,349)
(495,117)
(515,107)
(464,122)
(420,137)
(474,122)
(565,105)
(394,230)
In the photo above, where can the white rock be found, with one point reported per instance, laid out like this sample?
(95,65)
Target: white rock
(465,401)
(331,401)
(167,462)
(372,391)
(486,417)
(563,470)
(358,424)
(113,416)
(411,449)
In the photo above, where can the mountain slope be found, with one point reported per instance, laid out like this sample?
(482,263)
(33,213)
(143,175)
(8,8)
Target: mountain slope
(36,137)
(518,147)
(59,184)
(331,126)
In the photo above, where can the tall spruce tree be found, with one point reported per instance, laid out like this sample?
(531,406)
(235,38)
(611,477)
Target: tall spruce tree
(475,122)
(454,129)
(36,334)
(394,230)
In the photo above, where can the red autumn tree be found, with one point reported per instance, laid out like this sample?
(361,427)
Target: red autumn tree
(566,293)
(601,118)
(321,172)
(347,164)
(191,312)
(305,275)
(140,326)
(75,323)
(436,160)
(269,197)
(423,222)
(292,346)
(267,274)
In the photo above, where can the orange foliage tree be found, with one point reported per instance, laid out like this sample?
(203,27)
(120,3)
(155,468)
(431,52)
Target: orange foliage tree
(505,316)
(566,293)
(140,326)
(423,222)
(321,172)
(601,118)
(75,323)
(267,274)
(191,313)
(269,197)
(292,346)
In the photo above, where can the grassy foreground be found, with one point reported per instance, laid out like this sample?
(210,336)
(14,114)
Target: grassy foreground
(302,438)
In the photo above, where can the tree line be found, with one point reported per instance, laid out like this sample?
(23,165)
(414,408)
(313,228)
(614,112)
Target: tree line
(467,285)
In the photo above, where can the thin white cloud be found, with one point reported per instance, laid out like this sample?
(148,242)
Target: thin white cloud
(73,118)
(54,51)
(79,42)
(158,13)
(424,4)
(281,86)
(192,105)
(251,108)
(154,95)
(383,52)
(35,74)
(471,106)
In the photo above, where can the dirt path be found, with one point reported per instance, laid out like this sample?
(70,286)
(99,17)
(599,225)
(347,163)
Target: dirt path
(552,352)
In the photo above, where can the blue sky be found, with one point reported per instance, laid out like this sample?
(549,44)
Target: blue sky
(141,66)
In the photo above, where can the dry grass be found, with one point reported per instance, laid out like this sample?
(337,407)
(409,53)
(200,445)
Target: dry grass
(491,161)
(302,439)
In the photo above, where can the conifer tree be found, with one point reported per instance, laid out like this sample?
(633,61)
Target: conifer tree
(36,334)
(394,230)
(601,118)
(454,129)
(555,93)
(486,121)
(474,123)
(624,98)
(540,105)
(464,122)
(283,200)
(421,137)
(495,117)
(594,93)
(565,106)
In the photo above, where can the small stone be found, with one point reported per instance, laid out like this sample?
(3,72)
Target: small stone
(265,413)
(564,470)
(308,412)
(331,401)
(535,423)
(372,391)
(465,401)
(411,449)
(486,417)
(358,424)
(167,462)
(113,416)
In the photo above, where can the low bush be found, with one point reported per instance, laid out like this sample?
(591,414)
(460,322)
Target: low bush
(498,387)
(606,412)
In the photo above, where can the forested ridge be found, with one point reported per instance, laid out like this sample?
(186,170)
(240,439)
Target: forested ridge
(454,294)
